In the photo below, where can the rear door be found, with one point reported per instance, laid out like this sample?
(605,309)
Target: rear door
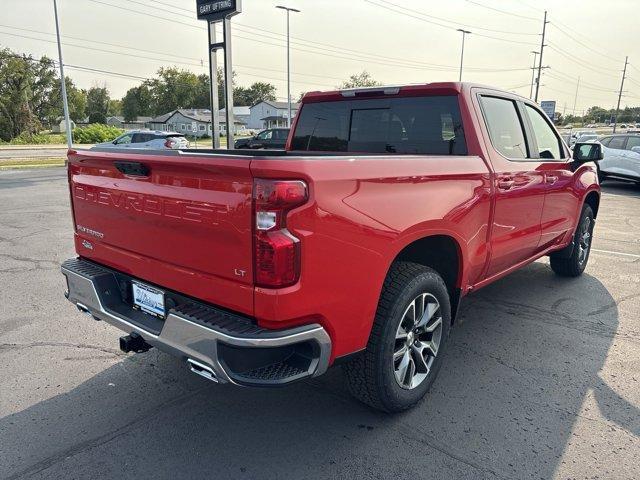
(614,147)
(518,183)
(631,157)
(181,221)
(560,202)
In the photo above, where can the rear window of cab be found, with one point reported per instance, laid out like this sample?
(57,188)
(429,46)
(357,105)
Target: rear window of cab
(409,125)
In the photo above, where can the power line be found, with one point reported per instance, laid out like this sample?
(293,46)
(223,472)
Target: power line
(584,45)
(578,61)
(505,12)
(457,24)
(402,11)
(155,52)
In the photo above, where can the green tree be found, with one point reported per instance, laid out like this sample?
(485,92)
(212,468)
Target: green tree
(17,79)
(137,103)
(77,100)
(98,104)
(257,92)
(174,88)
(362,79)
(115,108)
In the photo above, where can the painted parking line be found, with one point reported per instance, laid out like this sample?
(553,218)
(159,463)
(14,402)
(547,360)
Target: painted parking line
(633,255)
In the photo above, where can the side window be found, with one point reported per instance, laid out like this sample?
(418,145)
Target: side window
(606,141)
(139,138)
(266,135)
(505,127)
(548,142)
(617,143)
(124,140)
(633,142)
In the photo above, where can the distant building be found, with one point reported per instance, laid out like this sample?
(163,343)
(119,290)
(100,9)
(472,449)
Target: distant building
(268,114)
(137,124)
(194,122)
(61,126)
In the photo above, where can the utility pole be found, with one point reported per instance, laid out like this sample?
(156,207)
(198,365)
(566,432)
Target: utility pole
(575,100)
(288,10)
(228,82)
(63,82)
(544,31)
(624,73)
(464,33)
(533,73)
(213,73)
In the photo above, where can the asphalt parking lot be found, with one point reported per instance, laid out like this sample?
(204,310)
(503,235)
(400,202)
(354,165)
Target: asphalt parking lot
(541,379)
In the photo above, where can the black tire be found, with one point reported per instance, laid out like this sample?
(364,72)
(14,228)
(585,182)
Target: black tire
(574,264)
(372,375)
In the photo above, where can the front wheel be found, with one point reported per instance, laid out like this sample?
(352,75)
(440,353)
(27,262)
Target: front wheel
(407,340)
(574,265)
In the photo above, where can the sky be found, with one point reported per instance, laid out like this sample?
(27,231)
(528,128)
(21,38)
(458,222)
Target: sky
(396,41)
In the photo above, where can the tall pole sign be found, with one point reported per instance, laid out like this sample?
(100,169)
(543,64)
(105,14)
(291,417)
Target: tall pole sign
(213,12)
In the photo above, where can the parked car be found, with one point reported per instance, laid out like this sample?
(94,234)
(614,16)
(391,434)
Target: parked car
(589,137)
(621,157)
(147,139)
(272,138)
(579,133)
(355,246)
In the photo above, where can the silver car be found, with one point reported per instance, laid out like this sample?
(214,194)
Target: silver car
(148,140)
(621,157)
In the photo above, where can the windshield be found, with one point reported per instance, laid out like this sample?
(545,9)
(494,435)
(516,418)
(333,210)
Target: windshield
(411,125)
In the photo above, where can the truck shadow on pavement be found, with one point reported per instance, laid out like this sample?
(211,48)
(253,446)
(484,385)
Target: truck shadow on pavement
(522,362)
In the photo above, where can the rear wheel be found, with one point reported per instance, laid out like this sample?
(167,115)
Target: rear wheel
(407,340)
(574,265)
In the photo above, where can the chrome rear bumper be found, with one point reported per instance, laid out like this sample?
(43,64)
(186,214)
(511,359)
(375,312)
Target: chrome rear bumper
(217,345)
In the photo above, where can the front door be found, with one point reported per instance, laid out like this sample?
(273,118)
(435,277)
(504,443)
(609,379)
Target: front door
(518,184)
(561,203)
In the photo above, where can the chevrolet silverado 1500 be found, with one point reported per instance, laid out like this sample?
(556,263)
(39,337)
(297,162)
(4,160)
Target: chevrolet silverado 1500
(353,246)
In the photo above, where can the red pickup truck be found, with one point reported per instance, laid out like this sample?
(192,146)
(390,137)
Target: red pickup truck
(353,246)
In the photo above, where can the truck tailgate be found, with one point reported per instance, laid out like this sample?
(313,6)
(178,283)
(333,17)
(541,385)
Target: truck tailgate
(179,221)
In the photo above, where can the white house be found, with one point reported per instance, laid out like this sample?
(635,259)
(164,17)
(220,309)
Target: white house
(192,122)
(268,114)
(61,126)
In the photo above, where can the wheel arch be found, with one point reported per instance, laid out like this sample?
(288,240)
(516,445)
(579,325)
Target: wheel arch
(442,253)
(593,200)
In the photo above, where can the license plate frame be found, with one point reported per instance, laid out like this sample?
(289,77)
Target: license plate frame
(148,299)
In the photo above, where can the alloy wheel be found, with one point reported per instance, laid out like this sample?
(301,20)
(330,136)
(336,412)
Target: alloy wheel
(417,341)
(584,240)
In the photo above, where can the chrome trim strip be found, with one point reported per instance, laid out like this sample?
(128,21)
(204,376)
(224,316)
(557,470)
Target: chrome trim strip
(183,338)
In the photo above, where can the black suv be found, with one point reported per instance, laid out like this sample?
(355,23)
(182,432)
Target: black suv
(272,138)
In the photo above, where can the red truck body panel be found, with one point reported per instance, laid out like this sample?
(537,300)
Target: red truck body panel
(188,227)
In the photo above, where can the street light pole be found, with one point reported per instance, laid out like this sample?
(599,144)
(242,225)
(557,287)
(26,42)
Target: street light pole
(288,10)
(464,33)
(63,82)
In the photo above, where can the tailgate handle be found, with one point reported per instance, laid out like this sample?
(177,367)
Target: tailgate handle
(136,169)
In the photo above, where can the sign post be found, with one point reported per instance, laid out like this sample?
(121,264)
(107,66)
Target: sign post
(214,11)
(549,107)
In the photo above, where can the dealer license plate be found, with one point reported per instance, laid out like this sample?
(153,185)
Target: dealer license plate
(148,299)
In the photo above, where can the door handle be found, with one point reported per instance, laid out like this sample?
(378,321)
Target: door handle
(506,184)
(551,179)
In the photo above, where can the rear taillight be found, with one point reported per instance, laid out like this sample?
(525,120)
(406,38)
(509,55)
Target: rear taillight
(277,251)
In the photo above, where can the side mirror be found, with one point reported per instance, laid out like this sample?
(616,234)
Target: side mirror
(587,152)
(635,149)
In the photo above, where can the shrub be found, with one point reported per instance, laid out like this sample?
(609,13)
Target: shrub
(36,139)
(96,133)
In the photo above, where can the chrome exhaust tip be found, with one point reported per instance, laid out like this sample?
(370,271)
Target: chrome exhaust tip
(202,370)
